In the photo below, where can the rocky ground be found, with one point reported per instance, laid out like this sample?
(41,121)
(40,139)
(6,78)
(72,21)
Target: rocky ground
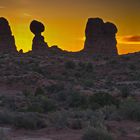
(29,71)
(125,130)
(60,73)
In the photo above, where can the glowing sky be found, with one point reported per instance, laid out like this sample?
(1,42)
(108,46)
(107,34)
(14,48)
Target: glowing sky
(65,21)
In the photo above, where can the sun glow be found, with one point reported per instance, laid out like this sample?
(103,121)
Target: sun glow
(65,21)
(23,37)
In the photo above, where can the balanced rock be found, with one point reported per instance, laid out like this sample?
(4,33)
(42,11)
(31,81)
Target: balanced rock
(7,40)
(100,37)
(37,28)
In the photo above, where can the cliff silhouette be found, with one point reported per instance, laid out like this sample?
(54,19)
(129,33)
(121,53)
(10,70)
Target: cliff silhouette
(7,40)
(100,38)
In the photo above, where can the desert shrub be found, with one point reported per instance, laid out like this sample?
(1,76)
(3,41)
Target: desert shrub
(88,83)
(93,105)
(113,62)
(75,99)
(75,123)
(54,88)
(9,103)
(22,120)
(125,91)
(40,104)
(85,67)
(130,109)
(6,117)
(39,91)
(76,119)
(109,82)
(126,58)
(137,76)
(101,100)
(96,134)
(61,96)
(89,67)
(26,93)
(97,120)
(40,70)
(88,118)
(78,74)
(34,107)
(1,100)
(82,65)
(58,119)
(29,121)
(14,103)
(70,65)
(110,113)
(132,67)
(48,105)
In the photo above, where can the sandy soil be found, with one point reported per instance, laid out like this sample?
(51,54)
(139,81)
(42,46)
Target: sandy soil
(125,130)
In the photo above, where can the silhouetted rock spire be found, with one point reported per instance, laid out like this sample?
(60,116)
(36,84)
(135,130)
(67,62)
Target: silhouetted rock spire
(37,28)
(7,40)
(100,37)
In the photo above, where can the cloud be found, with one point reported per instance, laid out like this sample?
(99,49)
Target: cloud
(131,39)
(2,7)
(26,15)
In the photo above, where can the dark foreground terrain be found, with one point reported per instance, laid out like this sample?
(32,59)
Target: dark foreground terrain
(69,97)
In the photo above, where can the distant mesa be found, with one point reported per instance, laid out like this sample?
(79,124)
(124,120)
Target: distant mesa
(38,44)
(100,37)
(7,40)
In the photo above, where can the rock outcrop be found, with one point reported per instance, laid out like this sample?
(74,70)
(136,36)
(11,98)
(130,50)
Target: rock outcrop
(7,40)
(38,44)
(100,37)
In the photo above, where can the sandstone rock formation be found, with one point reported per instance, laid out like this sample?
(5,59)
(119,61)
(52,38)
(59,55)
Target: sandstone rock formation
(100,37)
(38,44)
(7,40)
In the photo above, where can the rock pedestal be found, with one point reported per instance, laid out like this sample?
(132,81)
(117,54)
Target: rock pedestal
(38,41)
(100,37)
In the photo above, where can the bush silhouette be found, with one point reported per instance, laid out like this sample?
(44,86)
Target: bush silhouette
(130,109)
(96,134)
(70,65)
(39,91)
(101,100)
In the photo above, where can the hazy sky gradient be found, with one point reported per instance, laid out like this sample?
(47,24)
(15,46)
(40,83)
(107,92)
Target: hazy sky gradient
(65,21)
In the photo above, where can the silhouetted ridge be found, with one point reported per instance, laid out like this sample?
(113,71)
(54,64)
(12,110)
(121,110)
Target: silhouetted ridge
(37,28)
(7,40)
(100,37)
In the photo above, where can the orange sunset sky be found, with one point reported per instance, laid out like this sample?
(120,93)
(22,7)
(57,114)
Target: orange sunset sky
(65,21)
